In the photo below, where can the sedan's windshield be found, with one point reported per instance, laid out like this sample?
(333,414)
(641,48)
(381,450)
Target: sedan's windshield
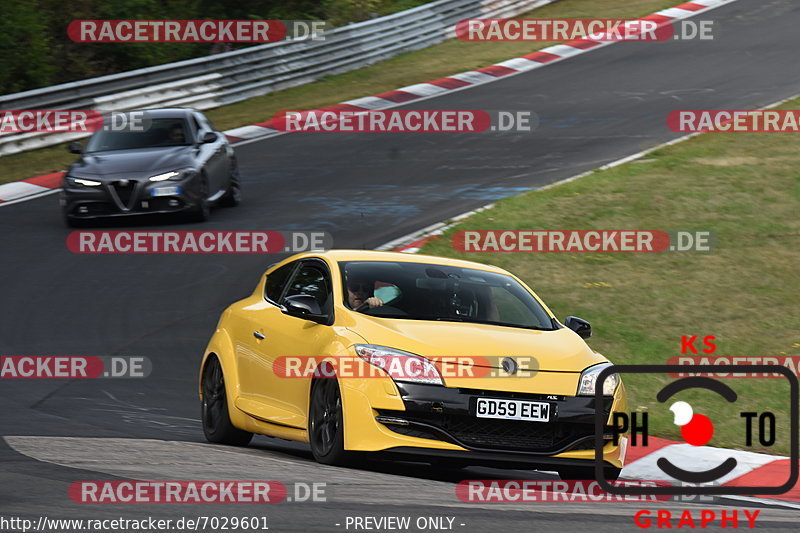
(160,132)
(421,291)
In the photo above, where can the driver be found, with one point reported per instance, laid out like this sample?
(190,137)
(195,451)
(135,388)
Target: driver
(175,136)
(360,291)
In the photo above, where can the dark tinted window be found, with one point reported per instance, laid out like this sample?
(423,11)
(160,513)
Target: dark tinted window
(276,281)
(313,280)
(420,291)
(161,132)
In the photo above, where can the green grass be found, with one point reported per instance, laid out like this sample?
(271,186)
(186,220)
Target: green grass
(743,187)
(420,66)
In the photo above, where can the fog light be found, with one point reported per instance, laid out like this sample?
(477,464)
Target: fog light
(83,210)
(145,204)
(173,203)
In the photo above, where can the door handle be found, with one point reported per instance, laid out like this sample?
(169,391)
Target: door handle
(258,335)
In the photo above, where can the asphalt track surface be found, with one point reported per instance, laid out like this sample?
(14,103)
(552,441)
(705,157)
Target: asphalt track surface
(364,189)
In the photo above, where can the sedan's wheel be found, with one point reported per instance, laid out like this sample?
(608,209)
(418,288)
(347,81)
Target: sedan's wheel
(233,196)
(203,211)
(326,423)
(587,472)
(217,424)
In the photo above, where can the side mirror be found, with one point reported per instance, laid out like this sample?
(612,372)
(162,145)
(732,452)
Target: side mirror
(305,307)
(75,147)
(579,326)
(209,137)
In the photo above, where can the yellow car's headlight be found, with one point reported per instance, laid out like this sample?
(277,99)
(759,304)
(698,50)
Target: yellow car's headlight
(401,366)
(588,381)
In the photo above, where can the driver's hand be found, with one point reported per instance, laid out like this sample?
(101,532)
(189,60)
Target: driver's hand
(374,302)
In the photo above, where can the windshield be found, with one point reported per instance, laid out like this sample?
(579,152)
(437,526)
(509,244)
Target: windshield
(161,132)
(421,291)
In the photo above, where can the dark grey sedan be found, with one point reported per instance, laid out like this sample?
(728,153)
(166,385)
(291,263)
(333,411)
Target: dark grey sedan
(176,162)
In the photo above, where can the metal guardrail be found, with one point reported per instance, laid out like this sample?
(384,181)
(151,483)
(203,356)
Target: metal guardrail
(221,79)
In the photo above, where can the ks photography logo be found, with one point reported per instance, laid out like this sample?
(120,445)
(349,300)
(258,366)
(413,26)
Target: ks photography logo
(697,429)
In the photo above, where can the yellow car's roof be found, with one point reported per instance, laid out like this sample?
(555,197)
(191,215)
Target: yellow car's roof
(373,255)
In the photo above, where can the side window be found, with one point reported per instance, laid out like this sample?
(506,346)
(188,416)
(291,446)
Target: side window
(276,281)
(314,281)
(207,122)
(197,127)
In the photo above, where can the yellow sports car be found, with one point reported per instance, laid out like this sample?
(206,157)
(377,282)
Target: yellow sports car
(440,360)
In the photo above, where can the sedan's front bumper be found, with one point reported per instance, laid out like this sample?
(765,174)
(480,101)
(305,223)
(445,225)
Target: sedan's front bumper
(136,197)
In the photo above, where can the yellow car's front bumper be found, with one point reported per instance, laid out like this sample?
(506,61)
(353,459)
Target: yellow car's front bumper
(437,415)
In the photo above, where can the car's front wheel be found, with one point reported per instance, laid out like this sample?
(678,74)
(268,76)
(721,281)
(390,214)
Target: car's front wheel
(326,423)
(217,424)
(203,210)
(233,196)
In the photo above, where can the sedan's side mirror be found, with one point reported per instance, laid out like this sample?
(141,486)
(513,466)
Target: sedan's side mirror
(579,326)
(75,147)
(306,307)
(209,137)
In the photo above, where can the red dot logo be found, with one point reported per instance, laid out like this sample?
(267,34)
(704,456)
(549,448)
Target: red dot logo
(696,429)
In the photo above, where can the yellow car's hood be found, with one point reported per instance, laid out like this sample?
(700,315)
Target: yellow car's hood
(561,350)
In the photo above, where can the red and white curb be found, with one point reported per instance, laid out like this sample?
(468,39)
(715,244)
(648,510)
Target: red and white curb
(42,185)
(28,189)
(412,242)
(753,469)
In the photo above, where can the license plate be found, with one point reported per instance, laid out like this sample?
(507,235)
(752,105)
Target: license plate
(165,191)
(513,410)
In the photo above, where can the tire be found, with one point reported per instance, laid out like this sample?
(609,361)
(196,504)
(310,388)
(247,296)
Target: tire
(587,473)
(217,424)
(203,210)
(326,423)
(233,196)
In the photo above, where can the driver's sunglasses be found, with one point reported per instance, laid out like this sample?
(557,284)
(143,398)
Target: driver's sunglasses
(359,286)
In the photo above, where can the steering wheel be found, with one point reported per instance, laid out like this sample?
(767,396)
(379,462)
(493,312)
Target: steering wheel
(361,307)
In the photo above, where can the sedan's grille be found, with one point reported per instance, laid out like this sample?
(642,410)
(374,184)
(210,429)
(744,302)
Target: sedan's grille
(124,192)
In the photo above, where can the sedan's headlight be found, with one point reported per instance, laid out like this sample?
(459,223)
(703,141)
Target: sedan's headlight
(586,386)
(172,175)
(85,182)
(400,365)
